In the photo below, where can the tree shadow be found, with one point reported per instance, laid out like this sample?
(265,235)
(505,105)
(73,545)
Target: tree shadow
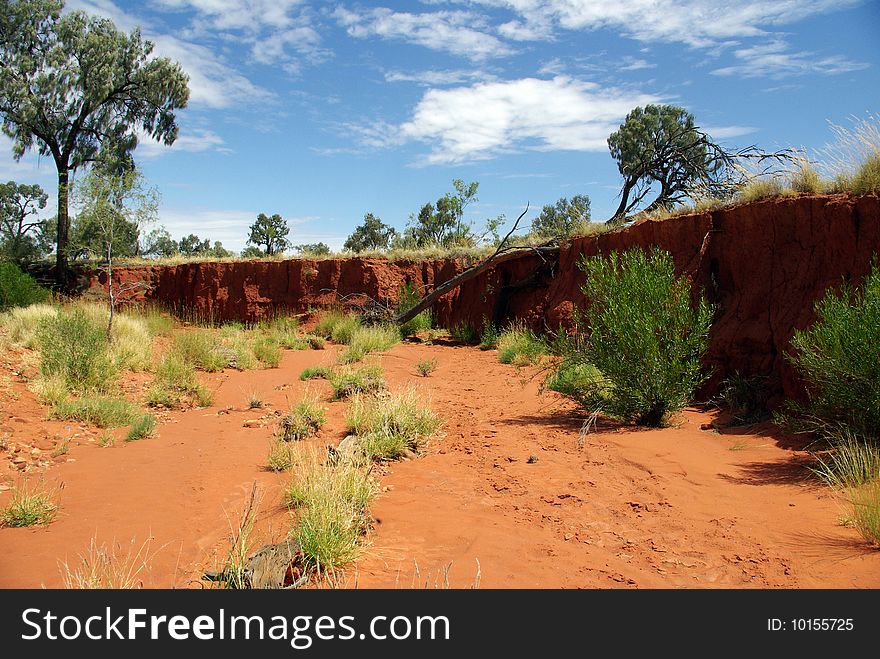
(795,470)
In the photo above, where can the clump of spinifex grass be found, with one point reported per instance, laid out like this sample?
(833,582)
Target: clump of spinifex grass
(337,326)
(143,427)
(391,426)
(31,504)
(349,381)
(102,411)
(315,372)
(304,420)
(177,384)
(426,366)
(332,510)
(519,346)
(373,338)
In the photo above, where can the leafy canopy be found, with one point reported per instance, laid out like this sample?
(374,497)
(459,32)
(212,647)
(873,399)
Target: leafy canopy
(270,233)
(564,219)
(373,234)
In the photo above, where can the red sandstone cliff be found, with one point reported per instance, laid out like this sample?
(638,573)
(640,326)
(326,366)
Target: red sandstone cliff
(763,264)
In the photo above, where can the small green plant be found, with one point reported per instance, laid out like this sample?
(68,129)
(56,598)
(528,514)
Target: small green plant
(745,398)
(304,420)
(865,511)
(176,382)
(760,188)
(30,504)
(364,340)
(426,366)
(837,357)
(101,411)
(489,337)
(24,323)
(200,348)
(281,454)
(642,335)
(254,401)
(338,326)
(267,351)
(18,289)
(576,380)
(389,426)
(74,347)
(315,372)
(143,427)
(62,449)
(105,440)
(519,346)
(349,381)
(407,298)
(315,342)
(51,390)
(464,333)
(851,461)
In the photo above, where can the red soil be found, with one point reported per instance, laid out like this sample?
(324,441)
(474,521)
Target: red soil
(677,507)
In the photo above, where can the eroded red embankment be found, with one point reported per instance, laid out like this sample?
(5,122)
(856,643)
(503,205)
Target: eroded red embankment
(763,264)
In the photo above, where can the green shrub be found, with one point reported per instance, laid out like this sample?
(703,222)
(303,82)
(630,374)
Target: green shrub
(98,410)
(519,346)
(745,398)
(838,358)
(176,381)
(75,348)
(426,366)
(579,381)
(142,428)
(315,342)
(349,381)
(867,178)
(18,289)
(642,334)
(338,326)
(489,337)
(408,297)
(464,333)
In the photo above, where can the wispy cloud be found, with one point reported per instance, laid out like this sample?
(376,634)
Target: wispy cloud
(486,119)
(722,132)
(774,60)
(434,78)
(461,33)
(193,141)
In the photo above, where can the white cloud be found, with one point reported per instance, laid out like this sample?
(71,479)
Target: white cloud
(721,132)
(457,32)
(194,141)
(483,120)
(773,59)
(630,63)
(239,14)
(437,78)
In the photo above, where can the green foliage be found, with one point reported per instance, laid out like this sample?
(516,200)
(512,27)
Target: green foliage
(142,428)
(443,223)
(18,289)
(642,335)
(489,337)
(373,234)
(759,188)
(564,219)
(426,366)
(349,381)
(28,506)
(520,346)
(389,426)
(464,332)
(267,351)
(577,380)
(373,338)
(22,235)
(407,298)
(304,420)
(100,411)
(745,398)
(852,461)
(806,179)
(865,511)
(837,357)
(201,349)
(270,232)
(312,249)
(99,88)
(315,372)
(338,326)
(176,382)
(74,347)
(159,242)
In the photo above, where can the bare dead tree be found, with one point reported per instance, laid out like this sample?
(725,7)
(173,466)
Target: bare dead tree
(502,253)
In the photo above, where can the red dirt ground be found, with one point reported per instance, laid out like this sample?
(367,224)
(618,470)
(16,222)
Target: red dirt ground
(679,507)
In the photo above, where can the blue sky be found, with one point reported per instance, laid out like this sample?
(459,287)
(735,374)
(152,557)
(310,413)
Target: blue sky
(323,111)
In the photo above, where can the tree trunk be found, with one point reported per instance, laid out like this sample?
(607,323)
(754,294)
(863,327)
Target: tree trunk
(61,267)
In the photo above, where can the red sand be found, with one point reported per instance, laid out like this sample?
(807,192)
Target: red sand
(673,508)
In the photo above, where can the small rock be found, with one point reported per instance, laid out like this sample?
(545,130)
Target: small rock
(568,536)
(3,488)
(707,426)
(532,459)
(253,423)
(35,451)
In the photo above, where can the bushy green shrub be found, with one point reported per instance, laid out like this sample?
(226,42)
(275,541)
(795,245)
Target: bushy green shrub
(520,346)
(839,360)
(489,337)
(642,335)
(74,347)
(19,289)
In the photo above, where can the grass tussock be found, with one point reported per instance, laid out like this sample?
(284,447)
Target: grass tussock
(50,390)
(348,381)
(867,177)
(177,384)
(332,510)
(22,323)
(101,411)
(337,326)
(425,367)
(364,340)
(304,420)
(390,426)
(315,372)
(489,337)
(30,504)
(519,346)
(200,348)
(144,426)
